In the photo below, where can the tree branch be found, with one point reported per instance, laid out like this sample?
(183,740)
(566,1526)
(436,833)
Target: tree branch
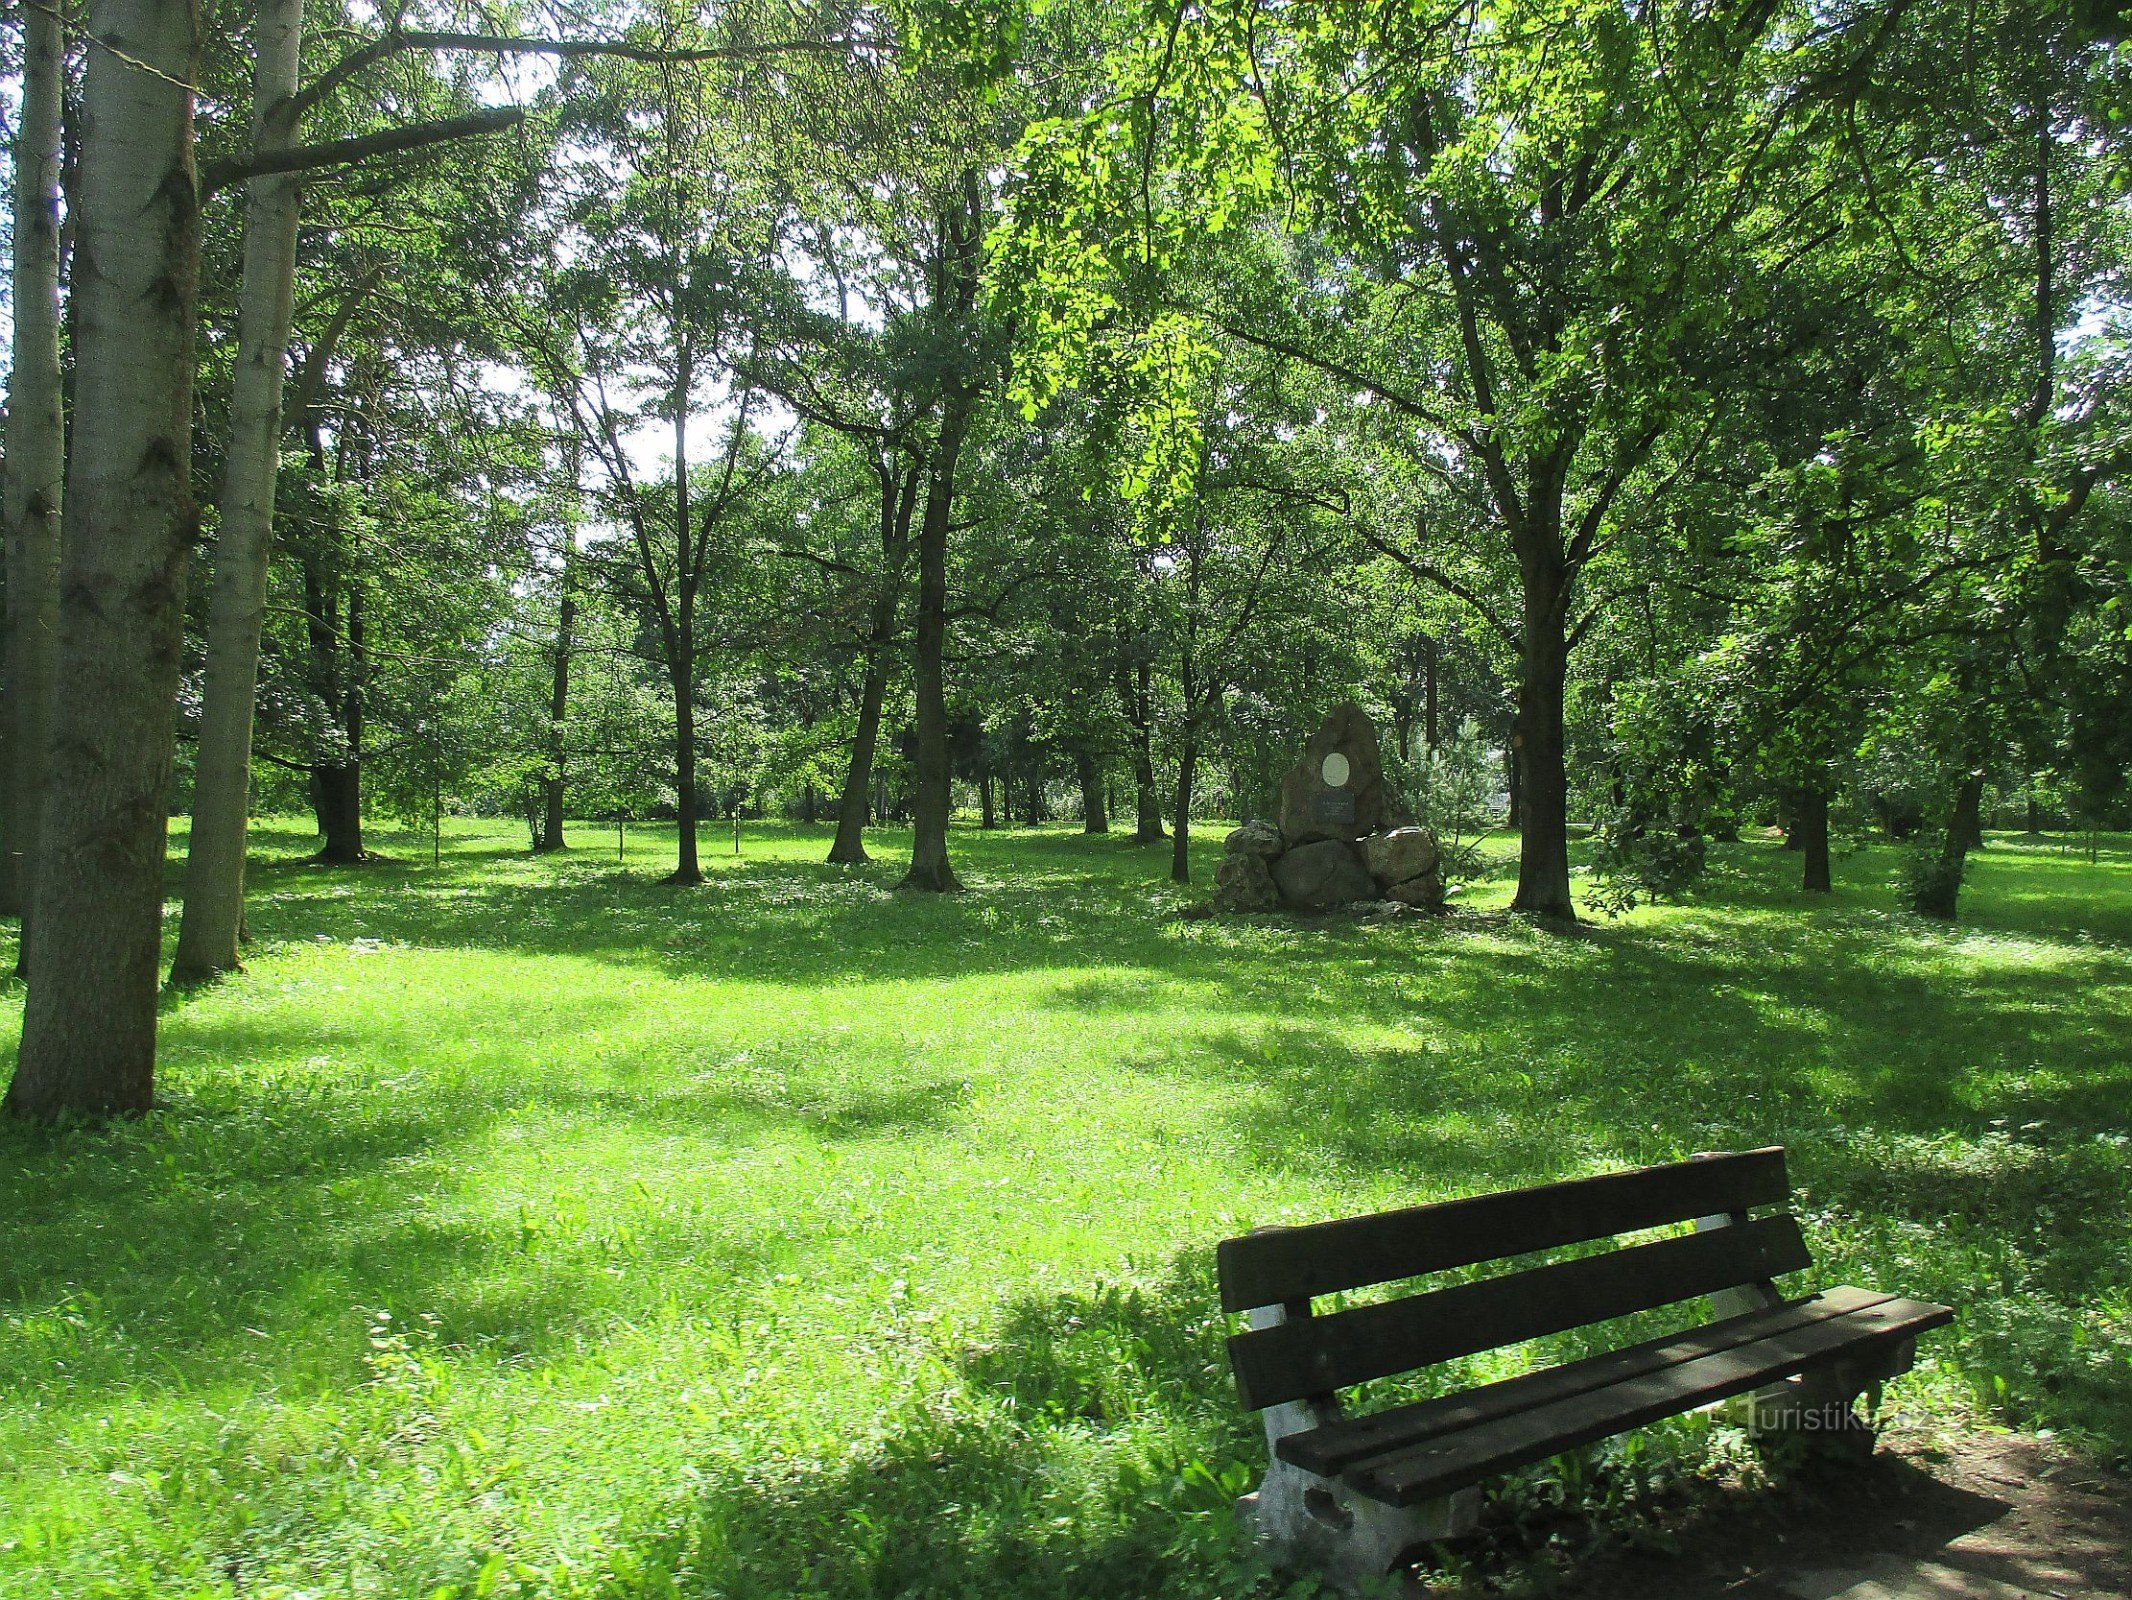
(218,175)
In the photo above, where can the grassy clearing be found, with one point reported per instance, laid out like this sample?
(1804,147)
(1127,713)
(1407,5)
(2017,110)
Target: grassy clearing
(525,1227)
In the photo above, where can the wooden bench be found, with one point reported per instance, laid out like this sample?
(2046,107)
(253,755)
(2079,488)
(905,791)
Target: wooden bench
(1354,1495)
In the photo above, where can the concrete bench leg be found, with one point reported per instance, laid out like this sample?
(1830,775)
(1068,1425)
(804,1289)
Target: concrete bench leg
(1304,1520)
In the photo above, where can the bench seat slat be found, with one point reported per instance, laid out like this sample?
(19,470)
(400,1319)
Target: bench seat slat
(1278,1265)
(1425,1471)
(1317,1355)
(1330,1450)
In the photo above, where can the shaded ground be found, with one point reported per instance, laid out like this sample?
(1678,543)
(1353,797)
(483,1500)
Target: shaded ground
(1975,1516)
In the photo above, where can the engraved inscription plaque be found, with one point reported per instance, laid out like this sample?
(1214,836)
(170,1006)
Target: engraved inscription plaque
(1336,806)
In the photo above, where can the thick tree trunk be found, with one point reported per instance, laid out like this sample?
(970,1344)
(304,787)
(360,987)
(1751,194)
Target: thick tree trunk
(36,461)
(1181,819)
(337,800)
(1940,891)
(687,867)
(1139,715)
(930,869)
(213,916)
(1541,796)
(1810,827)
(1094,817)
(1972,822)
(987,818)
(88,1029)
(2035,816)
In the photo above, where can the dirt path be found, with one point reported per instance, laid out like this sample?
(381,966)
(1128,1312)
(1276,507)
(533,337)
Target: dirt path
(1968,1517)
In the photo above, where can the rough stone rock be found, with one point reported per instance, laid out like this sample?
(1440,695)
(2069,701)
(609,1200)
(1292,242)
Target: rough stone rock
(1324,873)
(1425,893)
(1312,808)
(1401,854)
(1255,838)
(1244,882)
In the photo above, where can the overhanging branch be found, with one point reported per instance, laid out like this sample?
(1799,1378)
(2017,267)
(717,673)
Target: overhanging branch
(217,175)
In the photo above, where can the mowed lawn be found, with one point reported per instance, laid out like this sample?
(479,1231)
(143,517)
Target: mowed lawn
(524,1227)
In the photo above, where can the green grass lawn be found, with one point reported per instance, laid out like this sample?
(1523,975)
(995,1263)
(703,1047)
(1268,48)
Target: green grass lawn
(524,1227)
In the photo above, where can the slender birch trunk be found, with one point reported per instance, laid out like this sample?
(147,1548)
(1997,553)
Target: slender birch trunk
(36,459)
(213,917)
(88,1029)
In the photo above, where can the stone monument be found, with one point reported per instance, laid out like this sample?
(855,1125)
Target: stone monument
(1343,839)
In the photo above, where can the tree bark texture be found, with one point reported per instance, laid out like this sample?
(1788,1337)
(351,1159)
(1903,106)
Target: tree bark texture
(1095,817)
(1940,890)
(36,459)
(213,916)
(1542,790)
(89,1024)
(1138,692)
(930,869)
(899,498)
(1181,822)
(1810,826)
(551,798)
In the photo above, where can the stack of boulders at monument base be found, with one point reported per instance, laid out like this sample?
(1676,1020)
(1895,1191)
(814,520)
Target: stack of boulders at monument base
(1342,840)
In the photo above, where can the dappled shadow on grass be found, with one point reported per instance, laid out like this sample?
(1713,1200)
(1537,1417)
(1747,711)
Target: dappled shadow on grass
(1044,899)
(1086,1442)
(293,1199)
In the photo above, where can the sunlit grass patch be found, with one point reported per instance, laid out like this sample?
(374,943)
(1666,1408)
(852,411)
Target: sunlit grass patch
(521,1222)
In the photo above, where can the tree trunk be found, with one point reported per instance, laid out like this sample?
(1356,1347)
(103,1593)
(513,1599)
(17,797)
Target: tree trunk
(551,798)
(337,799)
(337,786)
(2035,816)
(1181,821)
(1139,713)
(930,869)
(687,868)
(810,806)
(213,916)
(849,847)
(1972,821)
(1940,890)
(88,1028)
(988,818)
(899,496)
(1541,797)
(1514,810)
(36,461)
(1810,826)
(1428,701)
(1094,817)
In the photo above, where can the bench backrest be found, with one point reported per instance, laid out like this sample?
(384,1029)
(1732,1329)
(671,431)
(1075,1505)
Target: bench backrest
(1314,1355)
